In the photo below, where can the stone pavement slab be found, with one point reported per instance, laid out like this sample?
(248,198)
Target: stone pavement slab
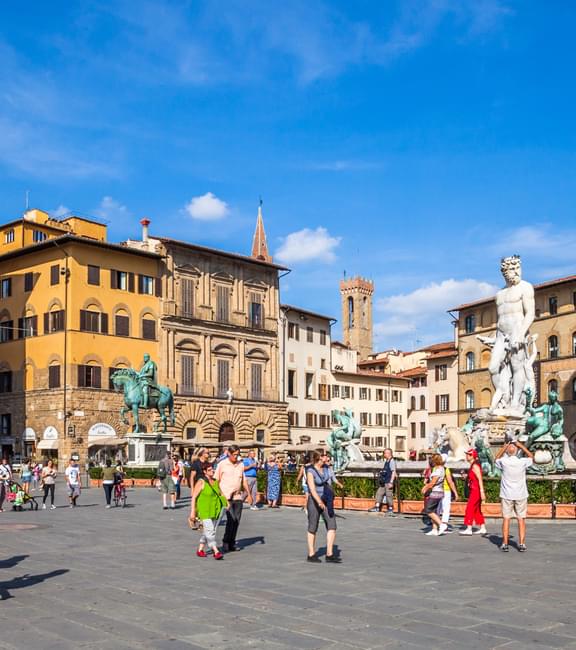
(93,578)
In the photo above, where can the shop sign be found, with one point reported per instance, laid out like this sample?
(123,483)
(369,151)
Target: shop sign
(50,433)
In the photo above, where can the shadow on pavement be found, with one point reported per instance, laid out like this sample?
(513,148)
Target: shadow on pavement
(248,541)
(26,581)
(12,561)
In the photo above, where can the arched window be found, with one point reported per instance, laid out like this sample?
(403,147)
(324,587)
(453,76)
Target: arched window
(485,398)
(470,361)
(574,390)
(365,312)
(149,328)
(553,347)
(350,312)
(413,403)
(122,323)
(469,399)
(553,385)
(485,359)
(422,402)
(574,344)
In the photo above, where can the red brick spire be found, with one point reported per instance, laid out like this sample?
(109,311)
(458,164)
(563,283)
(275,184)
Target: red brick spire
(259,245)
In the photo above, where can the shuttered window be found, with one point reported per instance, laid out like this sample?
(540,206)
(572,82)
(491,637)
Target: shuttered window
(6,331)
(256,380)
(187,374)
(223,368)
(54,321)
(149,329)
(28,281)
(256,310)
(54,274)
(94,275)
(54,377)
(6,381)
(222,303)
(187,297)
(28,326)
(122,325)
(89,376)
(93,321)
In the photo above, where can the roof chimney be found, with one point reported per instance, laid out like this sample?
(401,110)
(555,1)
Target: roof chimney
(145,223)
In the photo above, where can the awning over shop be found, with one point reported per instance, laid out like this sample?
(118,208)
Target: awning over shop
(107,442)
(47,444)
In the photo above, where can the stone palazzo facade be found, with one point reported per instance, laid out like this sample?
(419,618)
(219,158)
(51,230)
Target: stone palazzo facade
(219,345)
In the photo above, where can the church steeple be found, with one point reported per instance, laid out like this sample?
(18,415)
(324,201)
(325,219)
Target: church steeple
(259,245)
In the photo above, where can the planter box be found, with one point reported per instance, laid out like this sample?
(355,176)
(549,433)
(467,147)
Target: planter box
(493,510)
(565,511)
(129,482)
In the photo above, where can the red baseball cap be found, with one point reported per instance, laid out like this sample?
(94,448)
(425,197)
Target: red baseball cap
(472,452)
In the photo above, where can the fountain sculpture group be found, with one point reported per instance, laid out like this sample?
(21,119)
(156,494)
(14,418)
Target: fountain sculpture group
(512,413)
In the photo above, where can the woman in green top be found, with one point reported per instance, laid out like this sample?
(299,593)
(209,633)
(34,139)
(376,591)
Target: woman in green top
(208,504)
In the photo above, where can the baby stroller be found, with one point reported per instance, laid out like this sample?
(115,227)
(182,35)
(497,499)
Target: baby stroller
(18,498)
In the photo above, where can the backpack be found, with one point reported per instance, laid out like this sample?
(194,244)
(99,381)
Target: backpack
(161,472)
(385,474)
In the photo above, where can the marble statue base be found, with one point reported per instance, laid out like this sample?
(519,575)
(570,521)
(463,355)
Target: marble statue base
(499,425)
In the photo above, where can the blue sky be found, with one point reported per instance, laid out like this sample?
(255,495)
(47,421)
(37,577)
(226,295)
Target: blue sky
(410,142)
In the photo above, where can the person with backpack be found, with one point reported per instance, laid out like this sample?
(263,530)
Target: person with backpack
(165,481)
(320,504)
(386,479)
(208,504)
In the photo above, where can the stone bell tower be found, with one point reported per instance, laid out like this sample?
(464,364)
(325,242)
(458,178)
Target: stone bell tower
(356,296)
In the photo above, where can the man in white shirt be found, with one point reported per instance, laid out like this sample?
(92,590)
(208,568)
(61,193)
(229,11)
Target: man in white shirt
(72,474)
(514,490)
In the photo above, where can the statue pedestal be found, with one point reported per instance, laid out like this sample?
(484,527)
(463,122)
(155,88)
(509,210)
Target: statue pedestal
(499,425)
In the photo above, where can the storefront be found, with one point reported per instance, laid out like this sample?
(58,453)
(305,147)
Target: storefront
(47,448)
(29,443)
(103,443)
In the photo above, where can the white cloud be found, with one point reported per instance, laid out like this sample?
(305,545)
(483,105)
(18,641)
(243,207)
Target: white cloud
(112,210)
(423,312)
(342,165)
(543,241)
(308,245)
(207,208)
(60,211)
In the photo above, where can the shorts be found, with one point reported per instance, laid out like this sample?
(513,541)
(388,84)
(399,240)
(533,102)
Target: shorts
(73,491)
(167,485)
(514,508)
(432,505)
(314,514)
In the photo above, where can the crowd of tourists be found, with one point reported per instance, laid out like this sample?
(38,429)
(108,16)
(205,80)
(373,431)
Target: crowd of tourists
(440,490)
(219,487)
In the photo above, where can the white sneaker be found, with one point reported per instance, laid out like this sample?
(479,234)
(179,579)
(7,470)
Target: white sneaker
(52,507)
(481,531)
(253,507)
(108,506)
(443,528)
(43,506)
(465,531)
(432,533)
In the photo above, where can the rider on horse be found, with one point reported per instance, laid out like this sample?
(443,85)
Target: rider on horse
(148,379)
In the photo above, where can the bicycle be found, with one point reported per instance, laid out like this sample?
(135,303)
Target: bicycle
(120,495)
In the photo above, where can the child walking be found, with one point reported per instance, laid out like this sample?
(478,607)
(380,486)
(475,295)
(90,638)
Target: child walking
(208,504)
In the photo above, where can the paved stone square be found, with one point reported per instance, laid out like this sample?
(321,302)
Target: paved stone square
(97,578)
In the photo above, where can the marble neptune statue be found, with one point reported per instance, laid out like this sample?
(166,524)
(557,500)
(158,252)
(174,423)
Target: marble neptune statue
(513,349)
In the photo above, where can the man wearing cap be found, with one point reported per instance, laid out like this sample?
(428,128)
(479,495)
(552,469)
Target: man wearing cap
(513,490)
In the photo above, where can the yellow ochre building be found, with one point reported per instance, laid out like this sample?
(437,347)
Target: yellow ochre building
(74,308)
